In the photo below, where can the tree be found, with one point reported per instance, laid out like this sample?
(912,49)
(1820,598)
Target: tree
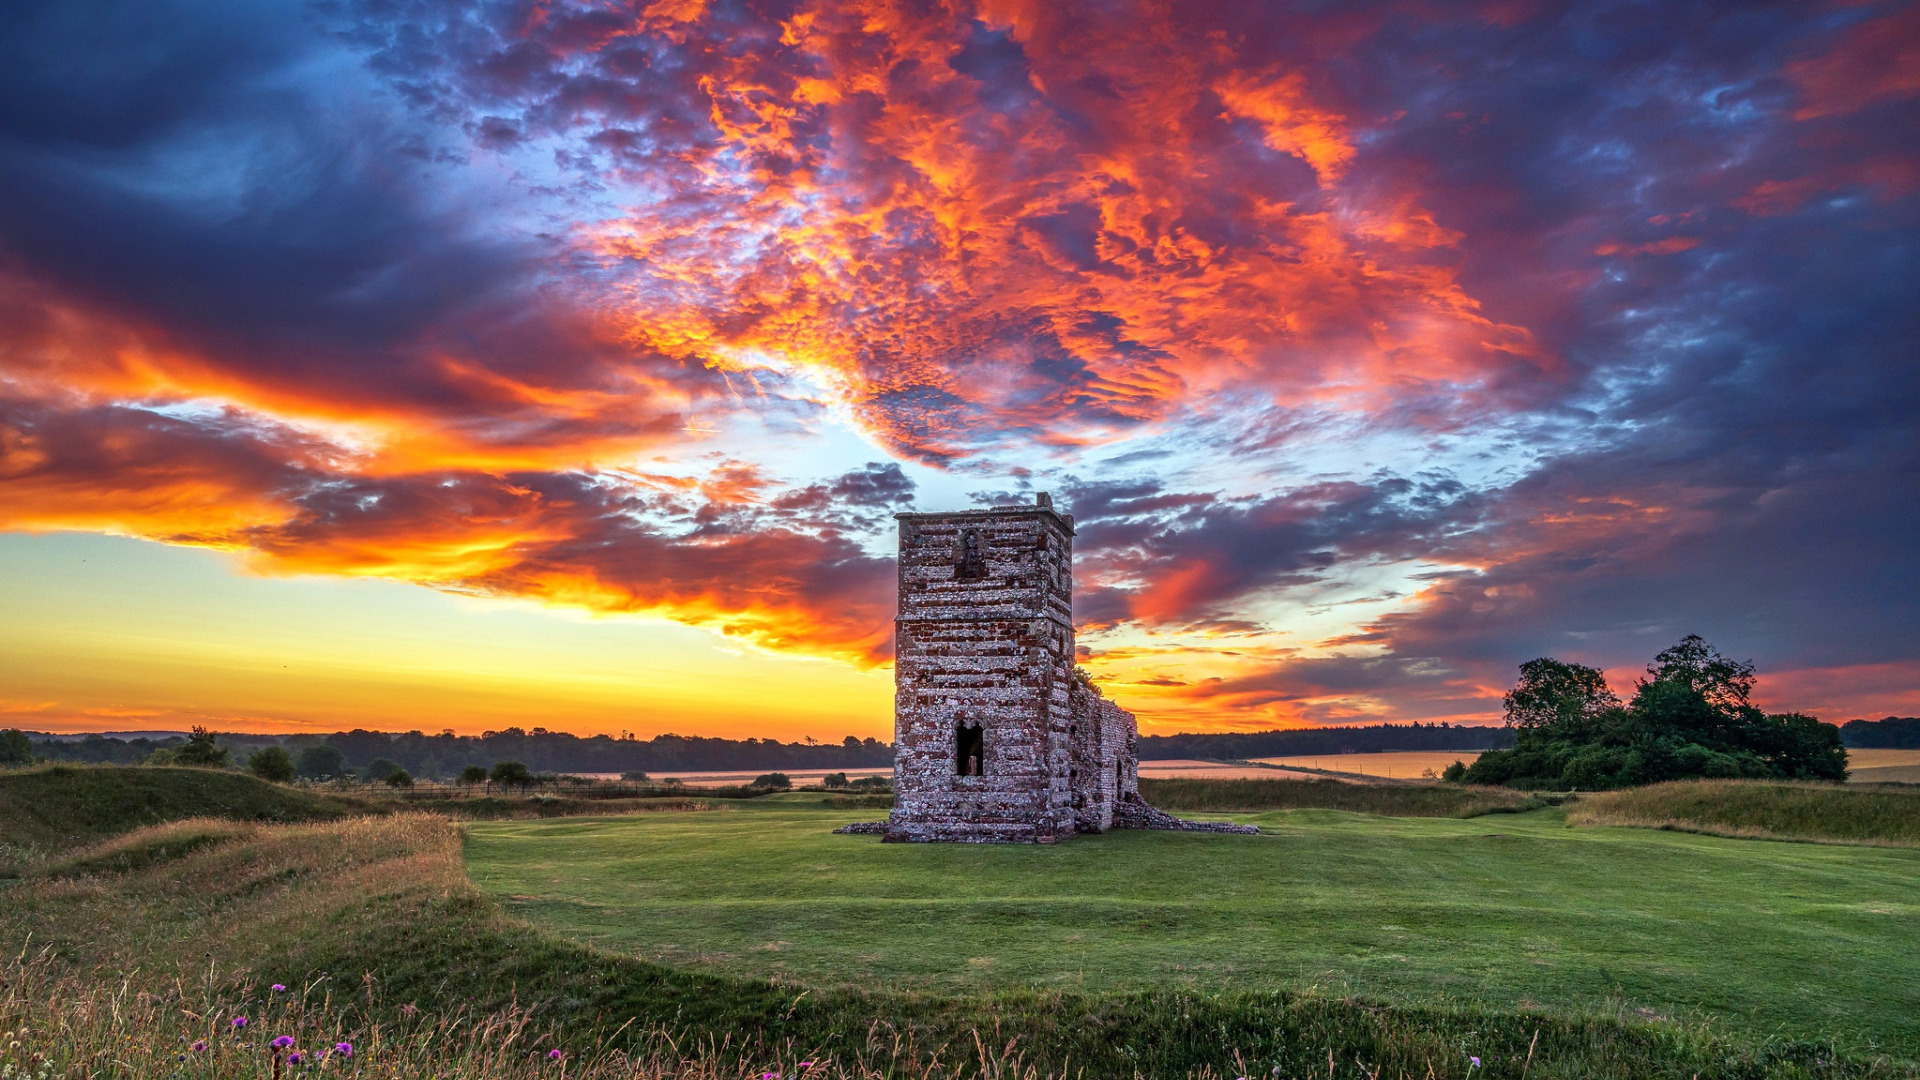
(15,747)
(381,768)
(778,781)
(271,763)
(200,749)
(1699,668)
(511,774)
(1692,716)
(399,778)
(834,780)
(473,774)
(321,760)
(1555,694)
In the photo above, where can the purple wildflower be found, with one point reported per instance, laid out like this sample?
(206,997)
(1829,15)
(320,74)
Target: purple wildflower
(344,1049)
(1475,1060)
(283,1042)
(554,1055)
(279,988)
(806,1064)
(198,1045)
(295,1058)
(239,1021)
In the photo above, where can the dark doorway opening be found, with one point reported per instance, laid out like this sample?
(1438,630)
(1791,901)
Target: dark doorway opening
(970,750)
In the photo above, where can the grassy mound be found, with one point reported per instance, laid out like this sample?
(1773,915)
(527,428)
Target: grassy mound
(57,808)
(383,943)
(1397,800)
(1854,814)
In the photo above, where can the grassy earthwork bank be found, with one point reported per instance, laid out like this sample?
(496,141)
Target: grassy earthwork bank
(1399,800)
(1854,814)
(748,938)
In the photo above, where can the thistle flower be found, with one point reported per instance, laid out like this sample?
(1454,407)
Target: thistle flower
(283,1042)
(1475,1060)
(554,1055)
(344,1049)
(239,1022)
(198,1045)
(295,1058)
(279,988)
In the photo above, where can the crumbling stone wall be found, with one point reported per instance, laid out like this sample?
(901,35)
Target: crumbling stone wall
(997,736)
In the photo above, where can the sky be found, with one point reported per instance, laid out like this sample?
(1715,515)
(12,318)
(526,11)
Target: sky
(405,364)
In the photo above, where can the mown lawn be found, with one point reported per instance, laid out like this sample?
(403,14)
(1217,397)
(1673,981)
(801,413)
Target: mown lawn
(1507,911)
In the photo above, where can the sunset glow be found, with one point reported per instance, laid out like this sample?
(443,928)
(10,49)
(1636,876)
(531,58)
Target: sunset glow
(417,365)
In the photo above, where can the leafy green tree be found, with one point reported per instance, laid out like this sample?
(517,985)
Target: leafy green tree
(778,781)
(321,760)
(271,763)
(380,768)
(15,747)
(1691,716)
(1552,694)
(834,779)
(473,774)
(201,749)
(399,778)
(511,774)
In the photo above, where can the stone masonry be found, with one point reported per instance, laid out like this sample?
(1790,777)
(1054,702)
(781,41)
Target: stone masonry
(997,736)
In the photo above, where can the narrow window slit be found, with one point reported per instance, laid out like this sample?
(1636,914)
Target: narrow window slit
(970,750)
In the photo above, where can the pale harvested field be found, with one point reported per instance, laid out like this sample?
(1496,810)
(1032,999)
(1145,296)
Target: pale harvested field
(800,778)
(1393,765)
(1882,759)
(1182,769)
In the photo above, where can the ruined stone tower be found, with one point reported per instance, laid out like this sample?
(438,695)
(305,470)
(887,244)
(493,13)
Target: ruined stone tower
(997,736)
(983,679)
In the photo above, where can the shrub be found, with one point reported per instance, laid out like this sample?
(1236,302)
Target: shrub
(511,774)
(1456,773)
(634,776)
(15,747)
(473,774)
(271,763)
(399,778)
(380,768)
(778,781)
(201,749)
(321,760)
(834,779)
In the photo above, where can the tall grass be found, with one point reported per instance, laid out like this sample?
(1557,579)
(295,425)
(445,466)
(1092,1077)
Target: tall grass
(1856,813)
(384,944)
(53,1024)
(1398,800)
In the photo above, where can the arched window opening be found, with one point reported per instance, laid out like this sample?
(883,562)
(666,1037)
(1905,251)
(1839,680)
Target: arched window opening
(970,750)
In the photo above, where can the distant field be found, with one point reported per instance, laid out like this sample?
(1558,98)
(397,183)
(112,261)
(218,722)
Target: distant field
(1506,911)
(1394,765)
(1883,766)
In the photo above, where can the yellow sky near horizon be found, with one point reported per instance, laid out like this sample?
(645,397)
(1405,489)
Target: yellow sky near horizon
(104,633)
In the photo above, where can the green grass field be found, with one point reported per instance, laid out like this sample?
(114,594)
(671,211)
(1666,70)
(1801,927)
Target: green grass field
(1507,911)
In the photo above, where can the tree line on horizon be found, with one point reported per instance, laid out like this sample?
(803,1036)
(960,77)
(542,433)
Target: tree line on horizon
(446,755)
